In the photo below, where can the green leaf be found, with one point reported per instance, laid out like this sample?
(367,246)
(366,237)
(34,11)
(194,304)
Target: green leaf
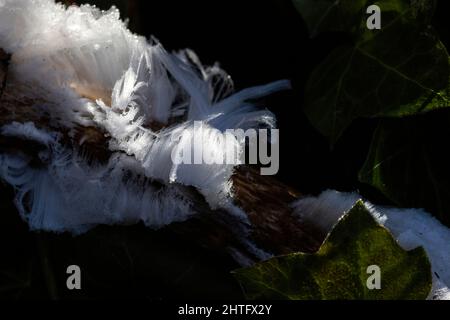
(402,69)
(330,15)
(408,162)
(339,269)
(350,16)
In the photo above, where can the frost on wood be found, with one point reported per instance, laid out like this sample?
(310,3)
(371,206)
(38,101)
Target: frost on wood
(80,67)
(90,115)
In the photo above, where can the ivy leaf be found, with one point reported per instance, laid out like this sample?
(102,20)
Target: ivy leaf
(408,162)
(350,15)
(402,69)
(330,15)
(339,269)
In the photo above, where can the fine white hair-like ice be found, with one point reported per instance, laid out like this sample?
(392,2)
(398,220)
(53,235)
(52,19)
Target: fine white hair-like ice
(85,68)
(95,72)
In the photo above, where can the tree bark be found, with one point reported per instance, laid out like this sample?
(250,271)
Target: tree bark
(4,61)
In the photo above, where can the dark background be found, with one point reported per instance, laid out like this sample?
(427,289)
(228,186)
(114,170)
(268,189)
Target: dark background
(256,41)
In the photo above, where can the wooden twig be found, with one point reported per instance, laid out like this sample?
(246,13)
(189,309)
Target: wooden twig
(267,202)
(4,63)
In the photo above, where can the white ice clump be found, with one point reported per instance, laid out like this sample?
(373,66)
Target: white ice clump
(28,131)
(72,196)
(85,68)
(411,227)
